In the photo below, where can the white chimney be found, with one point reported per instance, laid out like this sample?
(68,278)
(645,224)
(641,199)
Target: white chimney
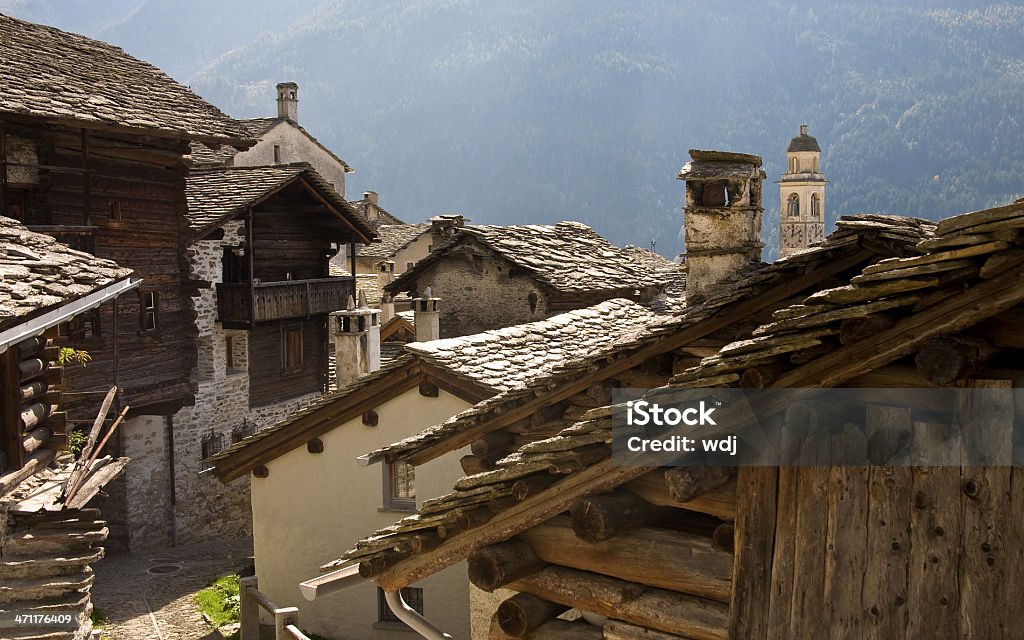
(722,218)
(426,317)
(387,309)
(288,101)
(356,336)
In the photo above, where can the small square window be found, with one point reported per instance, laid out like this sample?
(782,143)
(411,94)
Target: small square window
(149,319)
(400,487)
(413,597)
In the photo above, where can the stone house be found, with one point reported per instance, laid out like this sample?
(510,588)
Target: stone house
(869,546)
(262,238)
(308,492)
(48,538)
(495,276)
(279,140)
(94,155)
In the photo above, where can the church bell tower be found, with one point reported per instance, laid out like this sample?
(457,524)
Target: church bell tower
(802,196)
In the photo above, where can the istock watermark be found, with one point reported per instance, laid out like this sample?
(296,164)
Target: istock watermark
(818,427)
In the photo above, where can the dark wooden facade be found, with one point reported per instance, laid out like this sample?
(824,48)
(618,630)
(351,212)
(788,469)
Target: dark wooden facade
(272,378)
(122,196)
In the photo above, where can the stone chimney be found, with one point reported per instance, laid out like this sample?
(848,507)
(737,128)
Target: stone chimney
(387,308)
(426,317)
(385,275)
(288,101)
(444,227)
(371,197)
(722,217)
(356,336)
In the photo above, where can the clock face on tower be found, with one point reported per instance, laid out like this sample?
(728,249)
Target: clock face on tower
(817,233)
(793,235)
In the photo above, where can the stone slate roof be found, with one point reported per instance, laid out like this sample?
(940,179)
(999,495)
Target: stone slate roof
(393,238)
(384,215)
(569,257)
(54,74)
(37,273)
(504,359)
(963,255)
(255,128)
(904,232)
(215,195)
(494,361)
(803,142)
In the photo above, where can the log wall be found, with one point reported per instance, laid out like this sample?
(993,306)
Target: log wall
(268,382)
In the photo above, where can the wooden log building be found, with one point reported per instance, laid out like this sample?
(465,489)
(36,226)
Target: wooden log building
(48,539)
(756,552)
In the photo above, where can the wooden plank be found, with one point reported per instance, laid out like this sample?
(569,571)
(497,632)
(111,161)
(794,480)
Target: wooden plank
(781,597)
(687,335)
(808,602)
(888,536)
(1015,547)
(987,422)
(933,592)
(846,551)
(597,478)
(757,503)
(949,316)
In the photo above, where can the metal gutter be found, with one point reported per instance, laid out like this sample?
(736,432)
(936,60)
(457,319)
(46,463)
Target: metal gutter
(37,325)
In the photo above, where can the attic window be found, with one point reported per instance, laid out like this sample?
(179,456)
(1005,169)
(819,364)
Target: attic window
(399,487)
(532,300)
(277,154)
(149,311)
(114,211)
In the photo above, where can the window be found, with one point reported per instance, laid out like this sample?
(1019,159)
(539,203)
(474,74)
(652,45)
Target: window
(243,431)
(277,154)
(793,205)
(400,487)
(793,165)
(229,353)
(114,211)
(532,301)
(149,317)
(82,326)
(211,444)
(409,266)
(291,349)
(413,597)
(815,206)
(234,266)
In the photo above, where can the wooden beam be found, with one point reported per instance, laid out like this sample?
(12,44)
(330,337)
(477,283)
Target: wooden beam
(953,314)
(752,566)
(597,478)
(631,602)
(599,518)
(686,335)
(719,502)
(495,566)
(524,612)
(648,556)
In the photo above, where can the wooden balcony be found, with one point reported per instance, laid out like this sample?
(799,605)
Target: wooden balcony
(240,306)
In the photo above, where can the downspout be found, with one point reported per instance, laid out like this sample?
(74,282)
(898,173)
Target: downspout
(411,617)
(170,467)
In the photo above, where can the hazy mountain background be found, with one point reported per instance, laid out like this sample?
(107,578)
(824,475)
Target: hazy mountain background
(537,111)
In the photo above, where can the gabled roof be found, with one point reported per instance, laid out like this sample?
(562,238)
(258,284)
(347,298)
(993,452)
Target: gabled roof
(968,270)
(385,216)
(53,74)
(217,195)
(37,273)
(255,128)
(473,367)
(393,238)
(569,257)
(761,286)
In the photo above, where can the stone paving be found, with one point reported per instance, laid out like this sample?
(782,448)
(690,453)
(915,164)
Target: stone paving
(143,602)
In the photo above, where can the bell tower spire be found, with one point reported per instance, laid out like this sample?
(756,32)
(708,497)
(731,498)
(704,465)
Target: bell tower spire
(802,196)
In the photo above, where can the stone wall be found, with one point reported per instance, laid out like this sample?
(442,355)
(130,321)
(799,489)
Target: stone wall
(477,293)
(295,146)
(200,507)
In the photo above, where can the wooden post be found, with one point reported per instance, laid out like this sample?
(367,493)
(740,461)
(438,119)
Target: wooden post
(599,518)
(249,609)
(282,618)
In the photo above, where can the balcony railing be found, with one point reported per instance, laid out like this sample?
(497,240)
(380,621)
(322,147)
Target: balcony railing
(81,237)
(242,305)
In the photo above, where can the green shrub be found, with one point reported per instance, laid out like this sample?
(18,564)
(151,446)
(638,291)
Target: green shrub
(219,602)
